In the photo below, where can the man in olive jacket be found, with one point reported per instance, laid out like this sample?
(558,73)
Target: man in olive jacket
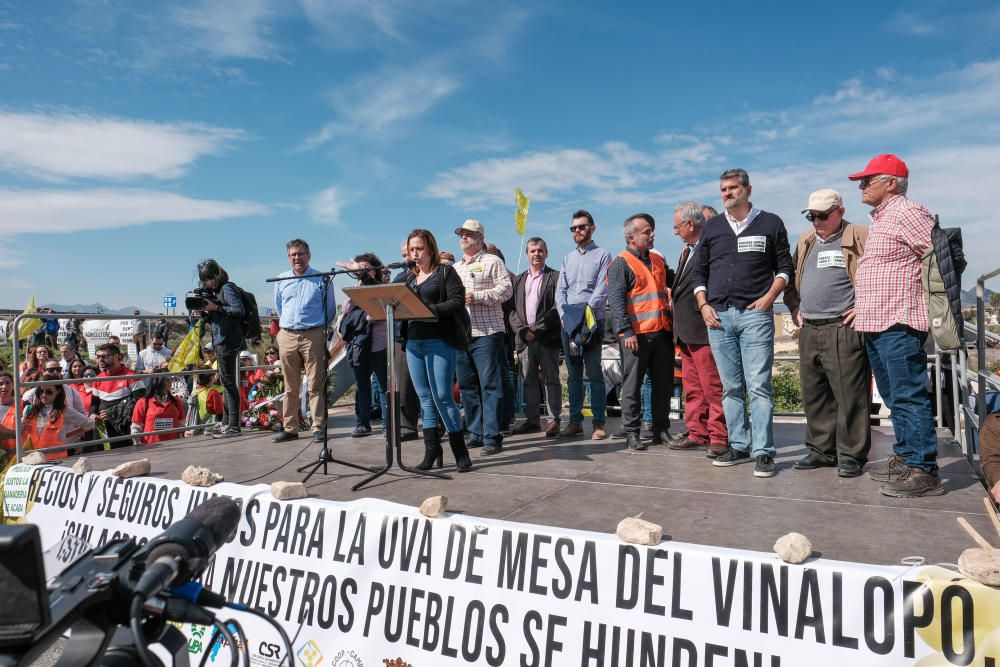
(834,369)
(535,323)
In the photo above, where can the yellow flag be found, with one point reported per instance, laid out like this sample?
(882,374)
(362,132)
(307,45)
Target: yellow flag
(27,327)
(188,353)
(521,214)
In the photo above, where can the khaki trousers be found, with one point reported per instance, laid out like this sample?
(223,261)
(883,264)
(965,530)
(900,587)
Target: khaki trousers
(298,351)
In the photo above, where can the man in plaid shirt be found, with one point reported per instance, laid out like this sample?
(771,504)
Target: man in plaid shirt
(487,286)
(892,313)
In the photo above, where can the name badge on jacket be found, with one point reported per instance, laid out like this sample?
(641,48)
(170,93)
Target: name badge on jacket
(751,244)
(828,259)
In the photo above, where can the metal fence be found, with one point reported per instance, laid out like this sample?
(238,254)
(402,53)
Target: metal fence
(132,437)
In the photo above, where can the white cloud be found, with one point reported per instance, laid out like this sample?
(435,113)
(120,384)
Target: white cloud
(229,28)
(375,105)
(347,22)
(613,173)
(326,205)
(910,23)
(57,146)
(66,211)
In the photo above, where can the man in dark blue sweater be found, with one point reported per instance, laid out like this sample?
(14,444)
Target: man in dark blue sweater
(742,266)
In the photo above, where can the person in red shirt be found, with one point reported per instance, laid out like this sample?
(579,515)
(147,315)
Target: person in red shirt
(158,411)
(115,394)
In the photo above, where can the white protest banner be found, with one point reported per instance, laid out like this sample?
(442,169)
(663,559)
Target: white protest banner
(374,583)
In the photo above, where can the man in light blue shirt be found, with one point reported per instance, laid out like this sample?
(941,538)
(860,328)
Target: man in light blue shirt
(583,279)
(301,340)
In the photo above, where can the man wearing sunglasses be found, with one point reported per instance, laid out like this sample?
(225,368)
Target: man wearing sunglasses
(583,281)
(892,312)
(115,394)
(834,365)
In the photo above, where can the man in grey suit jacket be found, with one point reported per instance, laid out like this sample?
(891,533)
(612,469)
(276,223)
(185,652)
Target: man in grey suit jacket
(535,323)
(703,414)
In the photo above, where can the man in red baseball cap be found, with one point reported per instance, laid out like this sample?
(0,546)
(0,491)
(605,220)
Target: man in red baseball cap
(891,311)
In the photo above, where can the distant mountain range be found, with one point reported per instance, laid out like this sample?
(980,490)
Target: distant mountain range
(969,296)
(94,308)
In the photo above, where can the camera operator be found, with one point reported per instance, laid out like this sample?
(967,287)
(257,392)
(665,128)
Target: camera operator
(366,340)
(224,311)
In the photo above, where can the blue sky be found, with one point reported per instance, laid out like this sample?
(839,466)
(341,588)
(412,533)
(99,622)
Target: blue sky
(138,138)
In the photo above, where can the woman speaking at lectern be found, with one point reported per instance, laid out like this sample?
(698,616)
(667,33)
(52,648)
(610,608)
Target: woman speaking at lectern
(431,347)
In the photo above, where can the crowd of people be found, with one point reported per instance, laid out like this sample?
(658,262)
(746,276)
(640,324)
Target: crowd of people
(854,290)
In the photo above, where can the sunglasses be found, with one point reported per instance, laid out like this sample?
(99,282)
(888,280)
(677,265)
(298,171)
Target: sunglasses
(47,392)
(578,228)
(90,375)
(822,217)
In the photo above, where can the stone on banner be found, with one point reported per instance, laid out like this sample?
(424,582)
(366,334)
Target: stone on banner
(82,465)
(34,459)
(983,565)
(639,531)
(793,548)
(132,469)
(200,476)
(288,490)
(434,506)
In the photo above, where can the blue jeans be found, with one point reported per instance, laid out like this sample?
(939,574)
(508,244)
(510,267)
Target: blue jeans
(899,364)
(432,369)
(647,399)
(744,353)
(482,392)
(591,360)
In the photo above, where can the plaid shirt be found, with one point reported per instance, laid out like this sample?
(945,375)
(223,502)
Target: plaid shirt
(888,289)
(486,278)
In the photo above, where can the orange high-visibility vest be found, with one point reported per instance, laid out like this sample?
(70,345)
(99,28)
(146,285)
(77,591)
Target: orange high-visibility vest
(49,436)
(649,302)
(9,444)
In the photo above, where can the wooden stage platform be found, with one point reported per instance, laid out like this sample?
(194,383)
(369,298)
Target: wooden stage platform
(588,485)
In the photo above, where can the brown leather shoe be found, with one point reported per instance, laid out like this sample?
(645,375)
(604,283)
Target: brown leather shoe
(715,451)
(599,433)
(685,443)
(571,430)
(913,483)
(888,470)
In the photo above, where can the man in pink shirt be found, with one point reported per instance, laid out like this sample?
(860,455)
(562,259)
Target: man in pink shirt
(536,326)
(891,311)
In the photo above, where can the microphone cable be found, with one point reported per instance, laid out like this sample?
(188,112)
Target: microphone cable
(271,472)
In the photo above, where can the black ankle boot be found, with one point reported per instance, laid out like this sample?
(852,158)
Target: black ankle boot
(432,450)
(461,452)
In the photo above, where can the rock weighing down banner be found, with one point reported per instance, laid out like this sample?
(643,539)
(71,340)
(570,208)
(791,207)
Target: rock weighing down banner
(373,583)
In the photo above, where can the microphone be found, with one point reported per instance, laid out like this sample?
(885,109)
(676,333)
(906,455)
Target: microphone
(408,264)
(181,552)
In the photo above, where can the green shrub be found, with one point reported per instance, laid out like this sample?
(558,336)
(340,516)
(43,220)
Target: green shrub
(787,389)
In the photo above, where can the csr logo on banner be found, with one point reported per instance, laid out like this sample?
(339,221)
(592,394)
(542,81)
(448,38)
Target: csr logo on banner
(268,654)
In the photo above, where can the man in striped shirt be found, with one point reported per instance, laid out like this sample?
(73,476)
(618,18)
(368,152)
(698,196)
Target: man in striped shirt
(892,313)
(487,285)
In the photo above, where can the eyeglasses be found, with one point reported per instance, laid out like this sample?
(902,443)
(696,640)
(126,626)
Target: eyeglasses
(298,254)
(822,217)
(866,182)
(578,228)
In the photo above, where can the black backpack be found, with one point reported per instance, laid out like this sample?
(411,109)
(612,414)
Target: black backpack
(251,315)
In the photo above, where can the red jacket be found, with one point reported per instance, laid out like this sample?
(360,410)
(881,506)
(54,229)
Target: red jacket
(152,415)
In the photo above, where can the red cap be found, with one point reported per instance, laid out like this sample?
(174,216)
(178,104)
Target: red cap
(887,164)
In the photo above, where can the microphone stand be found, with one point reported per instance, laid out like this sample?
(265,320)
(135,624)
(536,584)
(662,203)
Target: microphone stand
(325,455)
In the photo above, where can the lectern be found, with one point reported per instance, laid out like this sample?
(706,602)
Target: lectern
(391,303)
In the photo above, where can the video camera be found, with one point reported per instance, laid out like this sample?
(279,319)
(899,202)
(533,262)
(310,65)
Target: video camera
(117,600)
(198,297)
